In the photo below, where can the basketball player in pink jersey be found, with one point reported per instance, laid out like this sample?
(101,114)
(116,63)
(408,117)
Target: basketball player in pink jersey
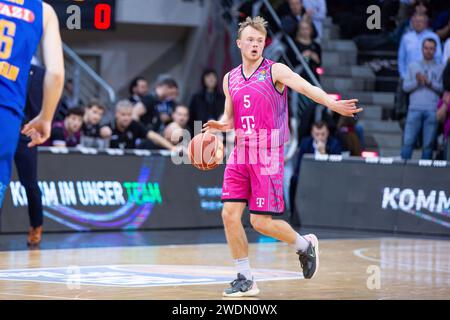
(256,107)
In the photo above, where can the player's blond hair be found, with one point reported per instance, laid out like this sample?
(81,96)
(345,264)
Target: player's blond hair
(257,23)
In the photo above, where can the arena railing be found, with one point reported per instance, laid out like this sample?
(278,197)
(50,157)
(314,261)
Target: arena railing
(87,83)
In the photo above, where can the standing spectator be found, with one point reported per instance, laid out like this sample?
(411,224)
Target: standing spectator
(443,116)
(310,50)
(208,103)
(410,51)
(317,10)
(411,44)
(138,89)
(126,133)
(174,131)
(296,13)
(156,109)
(91,136)
(424,83)
(68,132)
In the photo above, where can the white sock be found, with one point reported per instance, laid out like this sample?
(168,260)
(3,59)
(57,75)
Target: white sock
(243,267)
(301,244)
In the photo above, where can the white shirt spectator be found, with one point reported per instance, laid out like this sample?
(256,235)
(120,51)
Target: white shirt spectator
(319,8)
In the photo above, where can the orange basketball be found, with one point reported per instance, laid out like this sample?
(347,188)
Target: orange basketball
(205,151)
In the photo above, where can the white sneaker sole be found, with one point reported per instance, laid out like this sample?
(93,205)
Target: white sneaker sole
(240,294)
(315,243)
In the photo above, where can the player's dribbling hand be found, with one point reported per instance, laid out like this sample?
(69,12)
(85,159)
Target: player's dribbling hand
(213,126)
(346,108)
(38,130)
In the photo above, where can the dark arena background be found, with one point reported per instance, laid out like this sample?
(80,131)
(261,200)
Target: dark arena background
(124,218)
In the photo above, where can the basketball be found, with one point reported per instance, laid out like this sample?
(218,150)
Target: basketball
(205,151)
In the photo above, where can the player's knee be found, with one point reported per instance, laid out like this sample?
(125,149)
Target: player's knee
(259,223)
(229,217)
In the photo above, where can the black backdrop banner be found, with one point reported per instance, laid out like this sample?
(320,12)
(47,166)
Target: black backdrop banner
(94,14)
(375,194)
(83,192)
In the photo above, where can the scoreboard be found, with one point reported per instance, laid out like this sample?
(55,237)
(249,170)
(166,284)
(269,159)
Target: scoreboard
(85,14)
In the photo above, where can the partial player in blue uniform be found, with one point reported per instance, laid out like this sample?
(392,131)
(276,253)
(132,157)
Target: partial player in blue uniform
(23,25)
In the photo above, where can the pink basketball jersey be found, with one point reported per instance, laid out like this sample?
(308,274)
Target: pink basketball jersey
(260,110)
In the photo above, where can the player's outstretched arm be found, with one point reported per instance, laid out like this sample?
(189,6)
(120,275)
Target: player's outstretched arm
(39,128)
(160,140)
(226,122)
(283,74)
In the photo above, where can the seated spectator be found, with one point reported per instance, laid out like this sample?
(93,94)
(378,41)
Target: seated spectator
(317,10)
(138,90)
(126,133)
(348,136)
(319,143)
(91,133)
(174,131)
(208,103)
(443,117)
(156,109)
(67,133)
(309,49)
(424,83)
(293,16)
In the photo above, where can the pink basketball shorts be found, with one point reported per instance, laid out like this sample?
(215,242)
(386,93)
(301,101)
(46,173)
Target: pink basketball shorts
(256,179)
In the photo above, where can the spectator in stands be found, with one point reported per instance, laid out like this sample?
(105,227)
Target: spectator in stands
(349,137)
(292,18)
(174,131)
(156,109)
(67,133)
(411,44)
(319,143)
(126,133)
(91,133)
(443,117)
(69,100)
(410,51)
(317,9)
(424,83)
(138,89)
(208,103)
(310,49)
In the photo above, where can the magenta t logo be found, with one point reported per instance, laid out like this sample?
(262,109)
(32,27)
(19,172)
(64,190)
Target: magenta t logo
(248,123)
(260,202)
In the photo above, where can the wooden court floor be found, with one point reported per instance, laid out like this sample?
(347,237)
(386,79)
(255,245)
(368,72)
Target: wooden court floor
(380,268)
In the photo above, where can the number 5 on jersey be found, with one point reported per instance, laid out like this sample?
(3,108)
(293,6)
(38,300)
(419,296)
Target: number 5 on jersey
(247,103)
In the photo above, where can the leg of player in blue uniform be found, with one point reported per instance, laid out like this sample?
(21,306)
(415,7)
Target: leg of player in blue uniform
(10,123)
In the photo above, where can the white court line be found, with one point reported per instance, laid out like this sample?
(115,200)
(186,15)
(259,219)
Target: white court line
(359,254)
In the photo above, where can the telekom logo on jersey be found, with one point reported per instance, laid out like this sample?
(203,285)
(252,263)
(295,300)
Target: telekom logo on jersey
(248,123)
